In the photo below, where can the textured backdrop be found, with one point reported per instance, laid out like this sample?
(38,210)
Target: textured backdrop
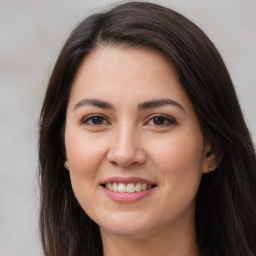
(31,34)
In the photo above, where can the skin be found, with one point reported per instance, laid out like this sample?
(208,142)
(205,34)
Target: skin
(126,141)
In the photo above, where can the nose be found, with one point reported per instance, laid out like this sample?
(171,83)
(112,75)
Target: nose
(126,148)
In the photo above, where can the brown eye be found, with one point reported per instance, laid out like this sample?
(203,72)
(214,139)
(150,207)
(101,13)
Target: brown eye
(158,120)
(95,120)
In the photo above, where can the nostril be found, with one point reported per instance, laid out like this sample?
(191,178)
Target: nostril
(122,163)
(113,163)
(125,154)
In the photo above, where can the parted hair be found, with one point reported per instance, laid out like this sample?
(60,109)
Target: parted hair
(225,214)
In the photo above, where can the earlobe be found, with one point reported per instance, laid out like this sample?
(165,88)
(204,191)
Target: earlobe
(212,158)
(66,165)
(210,169)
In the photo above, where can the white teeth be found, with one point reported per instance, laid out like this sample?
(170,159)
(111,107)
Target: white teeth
(130,188)
(143,187)
(138,187)
(127,188)
(121,187)
(115,187)
(110,186)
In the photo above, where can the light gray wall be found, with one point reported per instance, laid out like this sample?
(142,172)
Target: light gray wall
(31,34)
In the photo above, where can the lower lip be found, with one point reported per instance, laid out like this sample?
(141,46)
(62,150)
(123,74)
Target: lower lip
(127,197)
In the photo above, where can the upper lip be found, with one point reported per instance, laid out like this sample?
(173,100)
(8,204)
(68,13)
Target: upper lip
(127,180)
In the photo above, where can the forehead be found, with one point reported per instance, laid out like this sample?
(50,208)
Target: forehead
(126,74)
(104,58)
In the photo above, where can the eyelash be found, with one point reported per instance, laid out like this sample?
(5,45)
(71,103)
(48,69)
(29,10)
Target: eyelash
(167,121)
(89,118)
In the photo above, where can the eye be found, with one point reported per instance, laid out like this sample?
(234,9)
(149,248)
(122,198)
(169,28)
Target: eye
(95,120)
(160,120)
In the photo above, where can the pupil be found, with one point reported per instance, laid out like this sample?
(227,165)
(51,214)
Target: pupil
(159,120)
(97,120)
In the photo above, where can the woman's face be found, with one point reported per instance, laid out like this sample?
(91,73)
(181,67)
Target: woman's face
(133,143)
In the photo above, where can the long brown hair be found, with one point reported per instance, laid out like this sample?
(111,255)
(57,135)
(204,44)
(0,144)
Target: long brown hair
(225,204)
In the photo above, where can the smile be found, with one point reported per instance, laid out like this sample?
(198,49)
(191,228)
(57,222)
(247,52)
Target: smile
(127,188)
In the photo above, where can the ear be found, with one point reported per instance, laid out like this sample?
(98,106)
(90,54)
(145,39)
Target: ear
(66,165)
(212,157)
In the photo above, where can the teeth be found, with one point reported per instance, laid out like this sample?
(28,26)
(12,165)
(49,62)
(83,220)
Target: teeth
(127,188)
(121,187)
(115,187)
(110,186)
(143,187)
(138,187)
(130,188)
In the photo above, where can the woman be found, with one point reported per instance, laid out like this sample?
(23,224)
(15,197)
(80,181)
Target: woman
(143,148)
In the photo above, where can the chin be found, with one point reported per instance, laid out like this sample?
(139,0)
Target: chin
(132,232)
(128,227)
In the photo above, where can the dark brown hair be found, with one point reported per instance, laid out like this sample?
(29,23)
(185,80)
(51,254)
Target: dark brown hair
(225,204)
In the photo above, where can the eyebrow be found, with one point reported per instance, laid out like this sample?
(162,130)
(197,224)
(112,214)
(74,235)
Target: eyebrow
(141,106)
(160,103)
(93,102)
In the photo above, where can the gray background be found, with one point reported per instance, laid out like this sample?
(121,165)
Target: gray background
(31,34)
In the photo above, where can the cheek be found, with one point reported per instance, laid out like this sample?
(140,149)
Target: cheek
(178,151)
(85,157)
(179,160)
(84,162)
(84,153)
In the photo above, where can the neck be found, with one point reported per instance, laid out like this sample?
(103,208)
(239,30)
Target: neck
(178,243)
